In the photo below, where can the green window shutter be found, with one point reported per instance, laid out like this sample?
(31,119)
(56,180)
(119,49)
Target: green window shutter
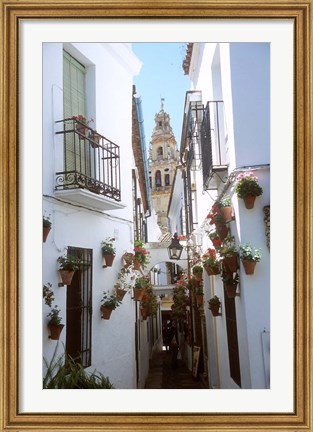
(76,151)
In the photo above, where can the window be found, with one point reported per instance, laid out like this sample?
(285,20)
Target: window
(160,153)
(79,309)
(158,179)
(167,180)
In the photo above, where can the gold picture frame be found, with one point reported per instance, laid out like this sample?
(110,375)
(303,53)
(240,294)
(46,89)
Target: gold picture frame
(12,12)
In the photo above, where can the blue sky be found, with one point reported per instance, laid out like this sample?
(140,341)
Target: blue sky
(161,76)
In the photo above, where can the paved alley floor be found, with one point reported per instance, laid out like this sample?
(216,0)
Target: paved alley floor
(164,375)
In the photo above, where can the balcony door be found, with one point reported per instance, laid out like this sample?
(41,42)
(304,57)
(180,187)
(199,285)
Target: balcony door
(76,150)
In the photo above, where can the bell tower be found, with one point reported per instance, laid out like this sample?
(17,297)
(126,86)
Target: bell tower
(163,159)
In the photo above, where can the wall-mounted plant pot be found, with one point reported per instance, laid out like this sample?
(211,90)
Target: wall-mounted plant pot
(66,276)
(82,130)
(144,313)
(215,310)
(226,213)
(95,137)
(230,263)
(106,312)
(231,290)
(128,259)
(55,331)
(249,201)
(222,231)
(212,270)
(137,265)
(108,260)
(249,266)
(45,233)
(199,299)
(138,293)
(198,277)
(120,293)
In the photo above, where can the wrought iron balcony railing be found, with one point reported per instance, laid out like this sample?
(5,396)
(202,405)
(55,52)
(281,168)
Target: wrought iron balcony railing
(91,161)
(213,144)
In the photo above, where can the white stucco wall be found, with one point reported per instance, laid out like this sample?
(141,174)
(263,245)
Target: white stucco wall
(109,103)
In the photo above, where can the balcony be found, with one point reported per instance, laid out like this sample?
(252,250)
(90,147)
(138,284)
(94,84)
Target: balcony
(214,145)
(91,167)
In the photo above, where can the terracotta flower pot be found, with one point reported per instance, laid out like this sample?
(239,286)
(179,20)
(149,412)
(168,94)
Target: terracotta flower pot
(66,276)
(108,259)
(81,129)
(144,313)
(222,231)
(230,263)
(128,259)
(231,290)
(199,299)
(55,330)
(45,233)
(226,213)
(249,266)
(215,309)
(106,312)
(198,277)
(249,201)
(120,293)
(212,270)
(95,140)
(138,293)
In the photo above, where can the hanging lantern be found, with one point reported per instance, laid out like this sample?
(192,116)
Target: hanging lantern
(175,248)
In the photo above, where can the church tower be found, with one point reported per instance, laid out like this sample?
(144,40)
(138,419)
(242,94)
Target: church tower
(163,159)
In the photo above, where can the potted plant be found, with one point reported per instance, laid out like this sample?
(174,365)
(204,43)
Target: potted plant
(95,139)
(109,302)
(141,258)
(46,227)
(199,294)
(48,294)
(148,303)
(197,272)
(215,239)
(81,125)
(248,188)
(225,208)
(210,262)
(230,281)
(128,258)
(140,284)
(68,266)
(108,251)
(249,256)
(229,254)
(54,323)
(124,282)
(214,305)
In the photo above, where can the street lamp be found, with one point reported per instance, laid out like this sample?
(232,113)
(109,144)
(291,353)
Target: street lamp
(175,248)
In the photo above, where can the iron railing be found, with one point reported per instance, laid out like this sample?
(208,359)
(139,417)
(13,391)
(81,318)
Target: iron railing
(213,139)
(194,119)
(91,161)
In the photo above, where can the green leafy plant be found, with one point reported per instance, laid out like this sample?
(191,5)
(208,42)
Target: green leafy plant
(141,254)
(65,373)
(247,184)
(210,258)
(142,282)
(48,294)
(107,246)
(225,201)
(230,278)
(197,269)
(228,247)
(149,300)
(68,262)
(110,301)
(214,301)
(250,253)
(54,316)
(46,221)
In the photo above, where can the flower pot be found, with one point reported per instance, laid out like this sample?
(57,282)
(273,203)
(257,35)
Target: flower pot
(106,312)
(222,231)
(95,137)
(215,309)
(212,270)
(138,293)
(198,277)
(249,266)
(230,290)
(199,299)
(120,293)
(230,263)
(249,201)
(128,259)
(66,276)
(108,259)
(45,233)
(137,265)
(226,213)
(55,330)
(81,129)
(144,313)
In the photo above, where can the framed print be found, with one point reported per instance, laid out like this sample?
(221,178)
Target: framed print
(48,66)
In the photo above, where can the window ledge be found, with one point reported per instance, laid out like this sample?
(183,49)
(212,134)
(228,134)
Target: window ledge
(88,199)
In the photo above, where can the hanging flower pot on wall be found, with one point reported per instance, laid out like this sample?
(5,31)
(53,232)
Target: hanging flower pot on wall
(46,228)
(120,293)
(106,312)
(230,263)
(144,313)
(108,260)
(212,270)
(55,330)
(66,276)
(138,293)
(249,266)
(226,213)
(222,231)
(249,256)
(249,201)
(231,289)
(128,258)
(199,299)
